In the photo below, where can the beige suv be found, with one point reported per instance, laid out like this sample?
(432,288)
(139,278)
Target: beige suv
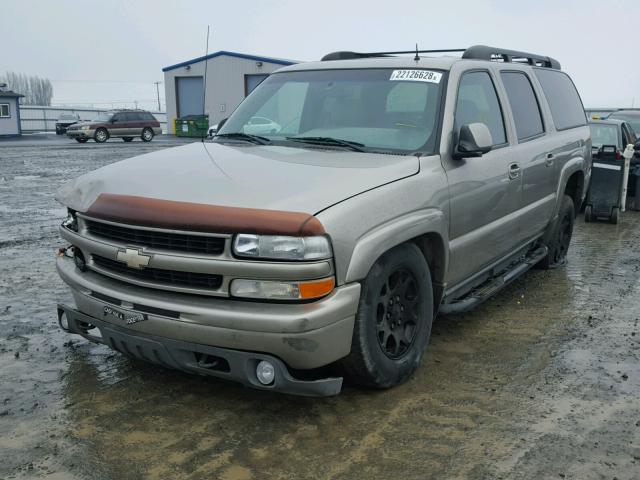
(392,188)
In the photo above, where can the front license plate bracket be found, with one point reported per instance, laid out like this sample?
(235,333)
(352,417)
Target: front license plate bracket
(127,317)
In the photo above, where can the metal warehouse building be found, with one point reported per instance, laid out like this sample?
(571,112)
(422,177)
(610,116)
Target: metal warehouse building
(9,112)
(230,78)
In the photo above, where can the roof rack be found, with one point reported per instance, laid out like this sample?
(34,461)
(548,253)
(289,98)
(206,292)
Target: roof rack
(355,55)
(482,52)
(476,52)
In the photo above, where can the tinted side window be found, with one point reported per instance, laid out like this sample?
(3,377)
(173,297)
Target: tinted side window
(524,104)
(148,117)
(478,102)
(566,107)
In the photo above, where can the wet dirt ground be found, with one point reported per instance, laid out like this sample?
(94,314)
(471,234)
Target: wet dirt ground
(541,382)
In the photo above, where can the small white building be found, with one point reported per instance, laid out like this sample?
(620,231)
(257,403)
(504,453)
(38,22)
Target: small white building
(9,112)
(230,78)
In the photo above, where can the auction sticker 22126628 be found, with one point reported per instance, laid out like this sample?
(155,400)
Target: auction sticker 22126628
(416,76)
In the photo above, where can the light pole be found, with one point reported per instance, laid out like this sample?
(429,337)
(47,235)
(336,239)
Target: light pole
(158,92)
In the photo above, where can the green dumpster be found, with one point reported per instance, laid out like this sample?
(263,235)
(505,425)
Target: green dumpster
(192,126)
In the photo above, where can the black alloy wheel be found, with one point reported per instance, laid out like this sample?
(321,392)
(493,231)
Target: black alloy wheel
(397,313)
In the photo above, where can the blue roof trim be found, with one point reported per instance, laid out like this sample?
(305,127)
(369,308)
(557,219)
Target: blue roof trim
(277,61)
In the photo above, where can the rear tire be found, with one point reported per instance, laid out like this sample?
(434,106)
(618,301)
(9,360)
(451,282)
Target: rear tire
(147,134)
(615,215)
(101,135)
(559,237)
(588,214)
(127,139)
(394,318)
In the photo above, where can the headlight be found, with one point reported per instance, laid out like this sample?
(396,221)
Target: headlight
(71,222)
(274,290)
(85,127)
(278,247)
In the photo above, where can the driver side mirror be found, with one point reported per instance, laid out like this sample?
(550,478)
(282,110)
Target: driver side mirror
(474,140)
(637,146)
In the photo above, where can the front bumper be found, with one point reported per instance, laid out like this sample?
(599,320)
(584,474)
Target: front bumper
(195,358)
(80,133)
(302,336)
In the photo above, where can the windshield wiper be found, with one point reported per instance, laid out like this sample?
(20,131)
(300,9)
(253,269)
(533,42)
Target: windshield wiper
(257,139)
(330,141)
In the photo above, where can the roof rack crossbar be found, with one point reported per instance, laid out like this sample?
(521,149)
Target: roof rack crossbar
(355,55)
(476,52)
(483,52)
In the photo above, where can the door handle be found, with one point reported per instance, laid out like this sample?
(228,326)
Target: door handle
(549,159)
(514,171)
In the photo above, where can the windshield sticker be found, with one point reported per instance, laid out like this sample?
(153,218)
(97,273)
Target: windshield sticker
(416,76)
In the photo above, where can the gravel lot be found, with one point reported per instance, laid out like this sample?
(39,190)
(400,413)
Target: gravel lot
(542,381)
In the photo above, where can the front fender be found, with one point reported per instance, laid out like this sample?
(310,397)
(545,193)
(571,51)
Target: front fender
(392,233)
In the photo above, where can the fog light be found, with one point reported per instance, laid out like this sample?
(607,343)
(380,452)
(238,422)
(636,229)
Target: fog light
(64,321)
(266,372)
(79,260)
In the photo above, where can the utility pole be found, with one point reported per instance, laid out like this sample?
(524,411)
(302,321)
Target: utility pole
(158,92)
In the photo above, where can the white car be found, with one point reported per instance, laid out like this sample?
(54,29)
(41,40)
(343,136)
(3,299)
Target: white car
(260,126)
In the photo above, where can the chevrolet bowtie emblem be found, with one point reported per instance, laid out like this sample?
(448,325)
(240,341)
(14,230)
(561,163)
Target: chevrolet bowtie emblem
(133,258)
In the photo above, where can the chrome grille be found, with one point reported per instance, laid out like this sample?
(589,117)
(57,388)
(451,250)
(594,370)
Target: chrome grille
(165,277)
(183,242)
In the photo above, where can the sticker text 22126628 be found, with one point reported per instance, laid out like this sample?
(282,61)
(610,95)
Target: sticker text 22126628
(416,76)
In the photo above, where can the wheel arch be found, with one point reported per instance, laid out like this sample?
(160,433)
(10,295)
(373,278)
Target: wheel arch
(425,228)
(574,187)
(433,249)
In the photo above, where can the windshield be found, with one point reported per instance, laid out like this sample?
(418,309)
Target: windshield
(103,117)
(634,120)
(603,134)
(379,109)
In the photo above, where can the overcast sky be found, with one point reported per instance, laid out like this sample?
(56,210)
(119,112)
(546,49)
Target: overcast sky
(112,51)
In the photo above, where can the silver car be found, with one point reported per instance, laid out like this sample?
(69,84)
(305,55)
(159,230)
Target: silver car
(394,189)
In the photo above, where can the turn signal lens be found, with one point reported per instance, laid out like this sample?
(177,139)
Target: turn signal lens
(273,290)
(316,289)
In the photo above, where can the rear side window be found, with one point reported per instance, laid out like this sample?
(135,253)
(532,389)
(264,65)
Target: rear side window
(524,104)
(566,107)
(478,102)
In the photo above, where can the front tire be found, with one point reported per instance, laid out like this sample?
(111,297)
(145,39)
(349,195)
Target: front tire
(101,135)
(147,135)
(560,235)
(394,318)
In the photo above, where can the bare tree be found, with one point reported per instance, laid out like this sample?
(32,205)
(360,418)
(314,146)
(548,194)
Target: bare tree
(36,90)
